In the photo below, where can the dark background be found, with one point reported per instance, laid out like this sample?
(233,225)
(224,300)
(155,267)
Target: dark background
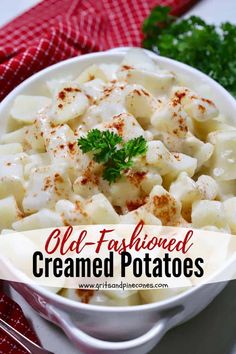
(213,331)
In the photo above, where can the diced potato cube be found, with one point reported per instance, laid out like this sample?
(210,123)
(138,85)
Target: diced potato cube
(68,103)
(16,136)
(122,192)
(91,73)
(186,192)
(72,213)
(12,148)
(135,216)
(156,83)
(45,218)
(151,179)
(9,212)
(11,176)
(224,156)
(54,84)
(198,108)
(230,213)
(102,113)
(12,165)
(164,206)
(214,229)
(34,161)
(208,187)
(158,155)
(201,109)
(198,149)
(226,190)
(171,142)
(208,212)
(85,187)
(138,68)
(171,118)
(138,59)
(109,70)
(126,126)
(25,108)
(62,146)
(185,189)
(100,210)
(46,186)
(141,104)
(28,136)
(93,89)
(202,130)
(183,163)
(12,186)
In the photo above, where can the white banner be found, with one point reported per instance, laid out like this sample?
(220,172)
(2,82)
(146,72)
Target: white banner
(105,256)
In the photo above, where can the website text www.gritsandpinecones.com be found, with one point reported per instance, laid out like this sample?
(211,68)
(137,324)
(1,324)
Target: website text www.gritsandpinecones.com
(122,285)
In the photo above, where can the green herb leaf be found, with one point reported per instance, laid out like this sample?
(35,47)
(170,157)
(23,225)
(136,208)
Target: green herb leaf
(135,147)
(208,48)
(159,17)
(104,146)
(101,143)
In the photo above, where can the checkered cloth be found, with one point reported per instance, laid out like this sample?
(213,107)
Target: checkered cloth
(12,313)
(53,31)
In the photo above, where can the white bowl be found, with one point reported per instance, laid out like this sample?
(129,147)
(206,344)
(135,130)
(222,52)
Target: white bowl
(100,329)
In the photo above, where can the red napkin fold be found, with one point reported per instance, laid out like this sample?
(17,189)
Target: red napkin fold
(52,31)
(12,313)
(55,30)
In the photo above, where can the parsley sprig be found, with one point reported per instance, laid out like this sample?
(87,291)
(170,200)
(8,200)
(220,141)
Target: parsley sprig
(109,149)
(209,48)
(101,144)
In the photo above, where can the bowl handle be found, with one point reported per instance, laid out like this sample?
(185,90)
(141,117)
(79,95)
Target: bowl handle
(89,344)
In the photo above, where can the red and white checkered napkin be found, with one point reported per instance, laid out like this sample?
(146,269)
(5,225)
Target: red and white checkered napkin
(55,30)
(12,313)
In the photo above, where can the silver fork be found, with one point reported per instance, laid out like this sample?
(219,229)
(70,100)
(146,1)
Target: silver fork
(24,342)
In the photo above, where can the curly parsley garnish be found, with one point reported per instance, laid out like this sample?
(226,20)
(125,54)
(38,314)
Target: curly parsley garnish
(109,149)
(208,48)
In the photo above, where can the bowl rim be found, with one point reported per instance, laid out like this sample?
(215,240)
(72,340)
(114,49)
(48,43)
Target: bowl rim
(113,53)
